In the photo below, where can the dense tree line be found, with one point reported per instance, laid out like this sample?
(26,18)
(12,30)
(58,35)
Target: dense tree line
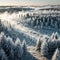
(10,50)
(50,47)
(46,22)
(6,27)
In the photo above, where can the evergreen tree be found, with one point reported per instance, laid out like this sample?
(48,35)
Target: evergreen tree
(7,45)
(52,45)
(18,50)
(4,43)
(10,49)
(0,25)
(34,22)
(56,35)
(41,25)
(38,45)
(44,48)
(56,55)
(2,34)
(24,47)
(2,55)
(52,36)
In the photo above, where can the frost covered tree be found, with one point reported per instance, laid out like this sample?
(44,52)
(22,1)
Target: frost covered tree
(2,55)
(10,49)
(52,46)
(56,35)
(18,50)
(2,34)
(27,15)
(52,36)
(7,45)
(4,43)
(24,47)
(41,25)
(38,47)
(56,55)
(44,48)
(0,25)
(34,22)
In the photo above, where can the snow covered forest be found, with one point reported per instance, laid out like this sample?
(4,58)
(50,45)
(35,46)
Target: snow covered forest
(30,33)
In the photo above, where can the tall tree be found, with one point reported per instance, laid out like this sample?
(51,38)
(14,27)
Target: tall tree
(56,35)
(18,50)
(56,55)
(44,48)
(10,49)
(38,47)
(24,47)
(52,36)
(2,55)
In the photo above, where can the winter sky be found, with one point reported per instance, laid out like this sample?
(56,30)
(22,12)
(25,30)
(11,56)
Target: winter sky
(29,2)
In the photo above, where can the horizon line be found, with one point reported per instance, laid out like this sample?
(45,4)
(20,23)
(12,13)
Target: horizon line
(31,5)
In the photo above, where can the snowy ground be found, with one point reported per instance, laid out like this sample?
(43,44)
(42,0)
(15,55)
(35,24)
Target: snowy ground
(34,55)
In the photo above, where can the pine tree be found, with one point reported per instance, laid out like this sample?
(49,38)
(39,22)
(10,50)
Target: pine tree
(34,22)
(2,34)
(44,48)
(52,36)
(24,47)
(10,49)
(56,35)
(0,25)
(18,50)
(4,43)
(38,45)
(7,45)
(56,55)
(41,25)
(52,45)
(2,55)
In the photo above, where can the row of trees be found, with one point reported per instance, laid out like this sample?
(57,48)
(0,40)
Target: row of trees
(7,28)
(4,26)
(10,50)
(46,21)
(48,46)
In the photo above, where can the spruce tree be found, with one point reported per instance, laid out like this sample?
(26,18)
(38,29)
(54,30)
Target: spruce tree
(2,55)
(56,35)
(44,48)
(18,50)
(52,36)
(10,49)
(56,55)
(4,43)
(24,47)
(38,47)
